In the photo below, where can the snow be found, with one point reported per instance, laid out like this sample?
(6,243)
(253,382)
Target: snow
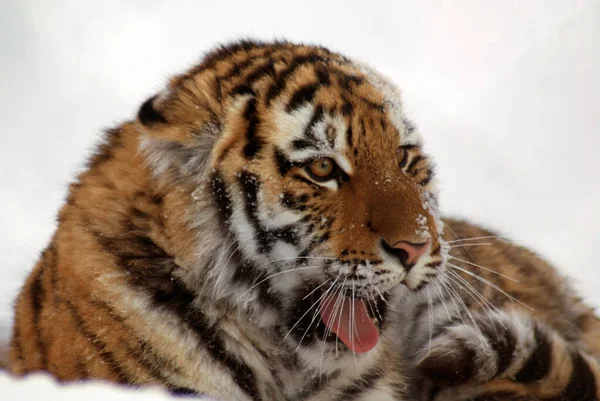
(33,386)
(504,93)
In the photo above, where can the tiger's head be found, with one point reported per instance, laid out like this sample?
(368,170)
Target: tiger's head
(325,200)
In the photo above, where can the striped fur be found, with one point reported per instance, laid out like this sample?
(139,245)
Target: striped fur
(508,353)
(198,250)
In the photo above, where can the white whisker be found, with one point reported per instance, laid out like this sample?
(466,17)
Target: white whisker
(316,288)
(480,299)
(273,275)
(327,330)
(339,320)
(446,286)
(466,245)
(353,326)
(221,272)
(484,268)
(469,314)
(476,238)
(494,286)
(430,310)
(308,310)
(212,268)
(438,290)
(295,258)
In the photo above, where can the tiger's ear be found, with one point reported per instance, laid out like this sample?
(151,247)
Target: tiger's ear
(148,114)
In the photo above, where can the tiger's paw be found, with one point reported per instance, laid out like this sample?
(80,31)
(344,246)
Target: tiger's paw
(486,347)
(459,354)
(505,356)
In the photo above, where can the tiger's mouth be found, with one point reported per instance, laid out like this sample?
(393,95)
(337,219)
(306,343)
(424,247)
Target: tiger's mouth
(351,321)
(340,318)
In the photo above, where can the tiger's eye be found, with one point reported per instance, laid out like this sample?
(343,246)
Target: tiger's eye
(321,168)
(401,156)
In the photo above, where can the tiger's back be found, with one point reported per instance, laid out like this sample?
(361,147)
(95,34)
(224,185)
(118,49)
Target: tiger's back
(169,262)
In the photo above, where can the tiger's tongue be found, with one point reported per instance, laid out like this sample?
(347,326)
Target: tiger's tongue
(365,335)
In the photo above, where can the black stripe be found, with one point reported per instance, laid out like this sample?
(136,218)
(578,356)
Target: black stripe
(349,135)
(225,52)
(180,301)
(303,328)
(582,384)
(383,123)
(452,370)
(301,96)
(502,342)
(505,396)
(151,269)
(345,80)
(314,242)
(83,374)
(294,202)
(366,382)
(322,75)
(428,178)
(15,342)
(347,108)
(182,392)
(107,357)
(539,362)
(154,364)
(300,144)
(331,134)
(413,163)
(261,71)
(237,68)
(148,114)
(250,185)
(287,234)
(315,385)
(37,294)
(317,116)
(242,89)
(248,274)
(139,350)
(254,144)
(221,197)
(283,163)
(377,107)
(169,294)
(52,268)
(279,85)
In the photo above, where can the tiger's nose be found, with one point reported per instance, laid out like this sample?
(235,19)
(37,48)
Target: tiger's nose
(407,252)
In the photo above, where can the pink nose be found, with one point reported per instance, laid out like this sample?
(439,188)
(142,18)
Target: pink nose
(409,253)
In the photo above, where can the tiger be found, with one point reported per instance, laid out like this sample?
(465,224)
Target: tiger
(268,228)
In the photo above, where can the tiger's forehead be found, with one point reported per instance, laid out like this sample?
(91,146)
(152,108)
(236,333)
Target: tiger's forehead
(301,98)
(345,113)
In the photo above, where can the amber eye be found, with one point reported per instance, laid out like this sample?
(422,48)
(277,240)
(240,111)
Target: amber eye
(401,156)
(321,169)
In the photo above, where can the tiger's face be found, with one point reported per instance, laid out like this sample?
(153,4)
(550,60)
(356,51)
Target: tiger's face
(323,188)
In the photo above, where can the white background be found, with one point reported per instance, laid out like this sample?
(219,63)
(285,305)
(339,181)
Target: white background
(506,94)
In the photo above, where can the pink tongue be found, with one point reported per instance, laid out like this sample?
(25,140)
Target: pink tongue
(341,319)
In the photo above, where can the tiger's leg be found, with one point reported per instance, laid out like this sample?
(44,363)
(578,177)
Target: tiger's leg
(506,357)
